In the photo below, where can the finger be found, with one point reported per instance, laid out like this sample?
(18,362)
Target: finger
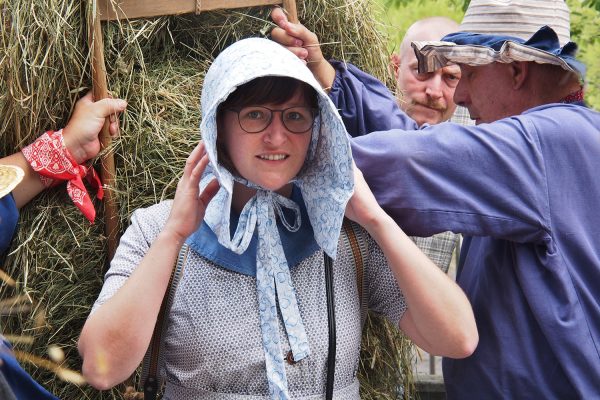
(193,159)
(88,98)
(209,192)
(113,127)
(106,107)
(300,32)
(280,19)
(300,52)
(278,16)
(199,169)
(283,38)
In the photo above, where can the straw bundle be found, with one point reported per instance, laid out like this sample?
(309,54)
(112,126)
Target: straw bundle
(387,356)
(58,258)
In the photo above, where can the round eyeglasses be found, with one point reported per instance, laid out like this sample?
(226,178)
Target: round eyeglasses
(254,119)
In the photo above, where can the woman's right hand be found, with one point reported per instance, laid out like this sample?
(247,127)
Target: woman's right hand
(116,336)
(189,205)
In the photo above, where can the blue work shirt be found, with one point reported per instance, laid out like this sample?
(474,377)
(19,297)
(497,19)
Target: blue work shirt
(526,189)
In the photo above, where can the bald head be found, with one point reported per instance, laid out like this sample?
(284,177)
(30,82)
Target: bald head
(433,28)
(425,97)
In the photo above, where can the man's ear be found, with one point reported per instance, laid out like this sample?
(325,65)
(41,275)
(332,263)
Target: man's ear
(519,72)
(395,63)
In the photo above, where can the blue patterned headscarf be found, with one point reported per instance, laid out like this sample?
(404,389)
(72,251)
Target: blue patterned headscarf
(325,181)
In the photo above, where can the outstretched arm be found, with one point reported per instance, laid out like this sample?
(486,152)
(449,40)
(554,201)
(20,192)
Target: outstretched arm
(304,44)
(366,104)
(80,139)
(115,338)
(439,318)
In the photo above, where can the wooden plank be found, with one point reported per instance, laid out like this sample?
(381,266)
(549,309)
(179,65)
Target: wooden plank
(131,9)
(208,5)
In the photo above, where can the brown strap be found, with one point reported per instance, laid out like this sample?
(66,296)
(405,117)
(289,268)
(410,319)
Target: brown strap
(149,377)
(358,248)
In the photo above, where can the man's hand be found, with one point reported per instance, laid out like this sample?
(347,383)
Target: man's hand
(81,133)
(304,44)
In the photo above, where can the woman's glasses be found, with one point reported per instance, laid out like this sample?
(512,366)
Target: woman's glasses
(254,119)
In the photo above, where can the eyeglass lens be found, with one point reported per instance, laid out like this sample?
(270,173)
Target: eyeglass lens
(254,119)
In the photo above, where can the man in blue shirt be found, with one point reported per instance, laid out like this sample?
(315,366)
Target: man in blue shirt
(525,191)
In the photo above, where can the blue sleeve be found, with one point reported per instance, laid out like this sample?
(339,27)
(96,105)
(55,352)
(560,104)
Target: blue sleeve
(9,214)
(22,385)
(479,181)
(365,104)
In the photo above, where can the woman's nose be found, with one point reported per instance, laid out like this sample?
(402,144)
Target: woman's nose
(276,132)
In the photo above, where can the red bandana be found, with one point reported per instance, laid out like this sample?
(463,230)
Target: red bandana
(50,158)
(575,97)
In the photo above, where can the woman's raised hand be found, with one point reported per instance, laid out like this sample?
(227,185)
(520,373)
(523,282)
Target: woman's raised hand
(189,205)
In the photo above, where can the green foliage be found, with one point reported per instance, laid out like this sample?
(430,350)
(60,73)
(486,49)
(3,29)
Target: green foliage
(592,4)
(585,30)
(397,15)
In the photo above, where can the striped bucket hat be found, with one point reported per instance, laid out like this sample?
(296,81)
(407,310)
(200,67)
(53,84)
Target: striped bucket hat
(10,176)
(506,31)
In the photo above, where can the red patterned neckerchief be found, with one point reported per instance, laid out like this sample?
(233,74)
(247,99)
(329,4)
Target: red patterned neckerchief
(50,158)
(575,97)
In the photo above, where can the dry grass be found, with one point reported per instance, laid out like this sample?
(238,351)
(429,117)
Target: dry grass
(57,258)
(385,371)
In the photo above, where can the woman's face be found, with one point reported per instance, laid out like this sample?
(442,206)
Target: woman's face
(273,156)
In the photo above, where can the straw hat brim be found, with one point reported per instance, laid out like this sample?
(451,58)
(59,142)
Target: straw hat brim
(10,177)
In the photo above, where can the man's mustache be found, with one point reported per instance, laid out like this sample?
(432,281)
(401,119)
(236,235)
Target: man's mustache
(435,105)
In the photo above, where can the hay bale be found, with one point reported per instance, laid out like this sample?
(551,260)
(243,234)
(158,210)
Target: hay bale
(58,258)
(387,356)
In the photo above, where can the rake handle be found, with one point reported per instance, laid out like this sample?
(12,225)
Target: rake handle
(107,162)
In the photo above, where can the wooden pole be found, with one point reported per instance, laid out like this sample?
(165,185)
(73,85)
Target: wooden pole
(292,13)
(107,171)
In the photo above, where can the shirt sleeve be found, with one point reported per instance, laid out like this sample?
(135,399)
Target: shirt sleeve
(364,103)
(9,214)
(146,224)
(487,180)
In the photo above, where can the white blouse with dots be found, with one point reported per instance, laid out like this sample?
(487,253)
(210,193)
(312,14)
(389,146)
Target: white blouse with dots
(213,347)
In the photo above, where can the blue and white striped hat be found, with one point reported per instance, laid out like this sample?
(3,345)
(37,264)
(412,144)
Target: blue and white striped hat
(506,31)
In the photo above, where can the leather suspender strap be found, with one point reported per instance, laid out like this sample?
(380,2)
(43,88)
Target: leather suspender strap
(359,252)
(358,248)
(152,357)
(331,327)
